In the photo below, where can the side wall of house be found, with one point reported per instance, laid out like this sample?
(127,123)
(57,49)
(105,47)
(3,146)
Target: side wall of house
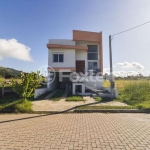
(53,85)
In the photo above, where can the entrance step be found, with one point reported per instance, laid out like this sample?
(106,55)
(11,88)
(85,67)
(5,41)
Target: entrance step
(95,95)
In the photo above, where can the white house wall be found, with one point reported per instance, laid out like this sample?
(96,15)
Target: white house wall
(69,58)
(53,85)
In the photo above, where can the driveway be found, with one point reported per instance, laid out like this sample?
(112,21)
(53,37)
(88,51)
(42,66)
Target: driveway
(87,131)
(62,105)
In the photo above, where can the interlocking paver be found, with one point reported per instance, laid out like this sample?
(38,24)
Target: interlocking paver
(86,131)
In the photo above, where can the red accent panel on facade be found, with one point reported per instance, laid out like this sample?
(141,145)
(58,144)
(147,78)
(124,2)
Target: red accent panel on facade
(90,37)
(86,36)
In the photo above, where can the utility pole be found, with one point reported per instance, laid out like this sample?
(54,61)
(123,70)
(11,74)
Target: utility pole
(111,67)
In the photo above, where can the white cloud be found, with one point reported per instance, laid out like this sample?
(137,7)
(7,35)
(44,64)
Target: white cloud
(130,69)
(132,65)
(106,70)
(128,73)
(12,48)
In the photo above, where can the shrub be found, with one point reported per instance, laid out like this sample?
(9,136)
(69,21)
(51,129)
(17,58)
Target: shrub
(71,97)
(29,82)
(23,107)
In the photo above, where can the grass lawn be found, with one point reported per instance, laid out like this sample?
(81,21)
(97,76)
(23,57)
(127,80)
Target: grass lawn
(98,99)
(105,107)
(135,93)
(13,103)
(57,96)
(74,98)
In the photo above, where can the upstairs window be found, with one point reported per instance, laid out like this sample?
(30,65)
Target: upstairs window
(92,52)
(58,57)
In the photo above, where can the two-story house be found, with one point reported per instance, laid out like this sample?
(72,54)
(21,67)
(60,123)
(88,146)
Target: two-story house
(83,53)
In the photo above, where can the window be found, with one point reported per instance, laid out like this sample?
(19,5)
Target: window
(92,56)
(58,57)
(92,52)
(92,65)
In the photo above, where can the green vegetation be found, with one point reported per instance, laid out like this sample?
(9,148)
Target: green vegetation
(13,103)
(57,96)
(105,107)
(24,88)
(135,93)
(75,98)
(29,82)
(23,106)
(8,73)
(98,99)
(7,86)
(42,86)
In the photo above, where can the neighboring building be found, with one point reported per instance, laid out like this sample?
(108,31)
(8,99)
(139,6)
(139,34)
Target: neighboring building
(81,54)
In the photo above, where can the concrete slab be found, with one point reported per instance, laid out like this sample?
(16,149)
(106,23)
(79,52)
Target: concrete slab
(50,95)
(62,105)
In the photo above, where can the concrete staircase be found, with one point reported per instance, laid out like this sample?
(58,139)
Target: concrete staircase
(98,93)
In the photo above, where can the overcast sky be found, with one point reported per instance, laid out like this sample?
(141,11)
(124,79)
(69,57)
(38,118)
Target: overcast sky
(26,26)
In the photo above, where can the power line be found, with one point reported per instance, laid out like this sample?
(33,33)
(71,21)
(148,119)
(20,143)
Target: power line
(131,28)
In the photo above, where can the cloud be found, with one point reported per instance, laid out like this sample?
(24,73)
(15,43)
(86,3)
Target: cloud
(106,70)
(132,65)
(128,73)
(13,49)
(133,69)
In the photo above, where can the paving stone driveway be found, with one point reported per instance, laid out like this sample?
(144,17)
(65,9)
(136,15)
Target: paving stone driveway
(89,131)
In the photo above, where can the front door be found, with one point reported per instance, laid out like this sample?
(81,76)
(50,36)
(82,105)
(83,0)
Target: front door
(80,66)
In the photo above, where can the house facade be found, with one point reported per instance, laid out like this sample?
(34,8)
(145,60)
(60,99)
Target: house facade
(82,54)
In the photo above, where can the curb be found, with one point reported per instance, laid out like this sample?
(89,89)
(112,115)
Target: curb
(80,111)
(112,111)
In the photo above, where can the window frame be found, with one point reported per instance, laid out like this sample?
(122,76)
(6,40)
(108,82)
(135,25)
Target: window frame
(58,57)
(92,53)
(92,61)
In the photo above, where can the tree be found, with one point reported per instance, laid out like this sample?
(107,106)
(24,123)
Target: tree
(3,72)
(29,82)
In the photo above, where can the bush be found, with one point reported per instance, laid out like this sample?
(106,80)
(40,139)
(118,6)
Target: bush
(29,82)
(23,107)
(71,97)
